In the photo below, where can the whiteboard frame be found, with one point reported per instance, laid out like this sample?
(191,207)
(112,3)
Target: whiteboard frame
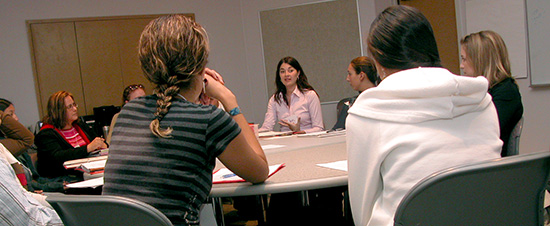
(531,83)
(462,30)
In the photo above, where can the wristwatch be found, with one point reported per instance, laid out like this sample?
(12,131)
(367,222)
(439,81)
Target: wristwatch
(235,111)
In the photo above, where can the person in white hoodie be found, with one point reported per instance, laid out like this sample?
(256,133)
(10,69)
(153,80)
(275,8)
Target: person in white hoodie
(420,119)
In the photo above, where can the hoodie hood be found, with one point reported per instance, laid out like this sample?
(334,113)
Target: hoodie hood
(422,94)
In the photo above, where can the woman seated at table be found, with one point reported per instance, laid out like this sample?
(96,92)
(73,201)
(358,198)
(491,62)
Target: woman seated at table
(361,76)
(130,92)
(64,137)
(484,54)
(13,135)
(420,119)
(164,146)
(295,104)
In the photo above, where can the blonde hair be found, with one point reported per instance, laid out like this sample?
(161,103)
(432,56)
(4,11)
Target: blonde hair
(488,54)
(173,50)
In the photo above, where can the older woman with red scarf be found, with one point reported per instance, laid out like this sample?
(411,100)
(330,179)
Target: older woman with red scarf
(64,137)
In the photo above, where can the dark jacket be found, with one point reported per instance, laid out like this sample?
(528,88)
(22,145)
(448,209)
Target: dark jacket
(54,150)
(507,100)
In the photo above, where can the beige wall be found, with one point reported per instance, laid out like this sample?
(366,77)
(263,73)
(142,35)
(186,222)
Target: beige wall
(235,36)
(233,27)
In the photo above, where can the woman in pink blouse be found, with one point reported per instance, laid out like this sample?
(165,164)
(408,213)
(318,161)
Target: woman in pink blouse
(295,105)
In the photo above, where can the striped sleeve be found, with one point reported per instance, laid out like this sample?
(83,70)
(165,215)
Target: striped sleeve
(222,129)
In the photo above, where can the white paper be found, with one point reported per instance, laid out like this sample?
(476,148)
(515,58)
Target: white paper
(313,134)
(272,146)
(92,183)
(338,165)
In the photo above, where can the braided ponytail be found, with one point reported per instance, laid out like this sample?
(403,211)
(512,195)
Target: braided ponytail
(172,51)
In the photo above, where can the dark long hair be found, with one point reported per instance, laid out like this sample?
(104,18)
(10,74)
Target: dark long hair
(4,104)
(302,82)
(402,38)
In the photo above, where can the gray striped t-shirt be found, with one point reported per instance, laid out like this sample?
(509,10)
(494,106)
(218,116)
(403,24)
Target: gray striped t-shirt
(172,174)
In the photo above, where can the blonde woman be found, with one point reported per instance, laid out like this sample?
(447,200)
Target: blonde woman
(484,53)
(164,146)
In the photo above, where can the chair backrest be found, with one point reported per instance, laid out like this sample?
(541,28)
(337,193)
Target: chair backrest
(513,142)
(340,114)
(504,191)
(90,210)
(90,121)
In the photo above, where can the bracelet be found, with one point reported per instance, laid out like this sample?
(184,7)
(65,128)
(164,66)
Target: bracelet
(235,111)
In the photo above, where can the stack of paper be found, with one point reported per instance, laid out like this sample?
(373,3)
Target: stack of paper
(78,162)
(93,167)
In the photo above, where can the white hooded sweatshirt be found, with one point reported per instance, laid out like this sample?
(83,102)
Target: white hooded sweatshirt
(416,122)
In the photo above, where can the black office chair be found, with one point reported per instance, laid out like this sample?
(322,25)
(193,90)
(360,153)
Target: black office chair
(103,116)
(342,112)
(513,142)
(504,191)
(83,210)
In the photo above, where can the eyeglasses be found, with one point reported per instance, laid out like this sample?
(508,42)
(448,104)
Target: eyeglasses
(134,87)
(70,106)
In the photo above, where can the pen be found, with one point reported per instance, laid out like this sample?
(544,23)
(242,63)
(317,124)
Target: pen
(228,175)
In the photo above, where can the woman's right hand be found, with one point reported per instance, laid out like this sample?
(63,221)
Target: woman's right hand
(96,144)
(214,88)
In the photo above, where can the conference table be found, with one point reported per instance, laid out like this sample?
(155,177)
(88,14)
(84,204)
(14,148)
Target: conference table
(301,155)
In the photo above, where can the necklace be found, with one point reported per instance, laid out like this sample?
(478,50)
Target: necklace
(179,95)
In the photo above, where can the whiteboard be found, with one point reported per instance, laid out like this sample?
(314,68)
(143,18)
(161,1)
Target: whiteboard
(507,18)
(538,26)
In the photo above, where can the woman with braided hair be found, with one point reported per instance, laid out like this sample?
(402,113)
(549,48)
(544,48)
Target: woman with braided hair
(164,146)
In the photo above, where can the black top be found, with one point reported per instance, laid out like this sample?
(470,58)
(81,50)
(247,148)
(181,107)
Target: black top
(54,150)
(507,100)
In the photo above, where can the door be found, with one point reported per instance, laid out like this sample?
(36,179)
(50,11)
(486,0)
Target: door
(442,17)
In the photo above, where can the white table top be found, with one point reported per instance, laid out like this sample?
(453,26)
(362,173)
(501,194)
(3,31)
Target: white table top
(300,156)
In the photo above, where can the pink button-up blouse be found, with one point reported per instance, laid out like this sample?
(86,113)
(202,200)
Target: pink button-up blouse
(305,105)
